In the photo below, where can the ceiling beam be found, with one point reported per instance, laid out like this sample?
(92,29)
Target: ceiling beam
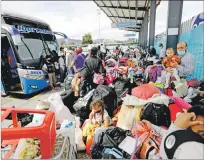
(132,28)
(128,8)
(138,18)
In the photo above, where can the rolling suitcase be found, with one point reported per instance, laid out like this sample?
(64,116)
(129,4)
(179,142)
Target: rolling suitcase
(69,99)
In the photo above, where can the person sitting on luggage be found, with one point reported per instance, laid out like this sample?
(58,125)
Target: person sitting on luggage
(185,137)
(170,59)
(193,90)
(97,118)
(50,68)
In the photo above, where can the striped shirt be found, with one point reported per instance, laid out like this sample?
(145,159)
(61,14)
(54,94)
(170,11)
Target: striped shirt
(186,67)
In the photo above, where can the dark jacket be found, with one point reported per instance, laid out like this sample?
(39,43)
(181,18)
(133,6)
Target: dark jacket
(92,65)
(153,52)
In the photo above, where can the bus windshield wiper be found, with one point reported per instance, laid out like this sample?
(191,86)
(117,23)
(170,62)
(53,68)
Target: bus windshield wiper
(27,48)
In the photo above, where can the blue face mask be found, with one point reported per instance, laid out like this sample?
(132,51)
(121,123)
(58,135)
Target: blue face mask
(181,53)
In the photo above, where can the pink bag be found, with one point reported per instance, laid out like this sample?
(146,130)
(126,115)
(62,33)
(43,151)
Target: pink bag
(98,79)
(181,103)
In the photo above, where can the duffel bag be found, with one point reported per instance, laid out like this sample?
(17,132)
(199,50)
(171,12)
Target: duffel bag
(108,95)
(121,86)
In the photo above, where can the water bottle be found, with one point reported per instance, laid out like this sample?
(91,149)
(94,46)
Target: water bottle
(66,124)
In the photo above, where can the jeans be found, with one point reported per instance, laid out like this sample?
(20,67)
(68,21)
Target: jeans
(62,75)
(70,71)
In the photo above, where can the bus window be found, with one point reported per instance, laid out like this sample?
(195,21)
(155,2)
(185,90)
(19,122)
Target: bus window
(32,47)
(50,40)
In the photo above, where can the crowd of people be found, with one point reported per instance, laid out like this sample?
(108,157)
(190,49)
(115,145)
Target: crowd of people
(167,110)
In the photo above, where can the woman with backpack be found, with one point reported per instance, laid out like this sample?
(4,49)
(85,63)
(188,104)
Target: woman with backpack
(92,67)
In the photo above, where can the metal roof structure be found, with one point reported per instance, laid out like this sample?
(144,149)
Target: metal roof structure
(123,11)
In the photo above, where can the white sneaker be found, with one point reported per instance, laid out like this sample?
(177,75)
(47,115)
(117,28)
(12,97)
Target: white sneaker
(62,84)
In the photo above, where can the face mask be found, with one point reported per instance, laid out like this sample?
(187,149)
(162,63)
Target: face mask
(97,111)
(181,53)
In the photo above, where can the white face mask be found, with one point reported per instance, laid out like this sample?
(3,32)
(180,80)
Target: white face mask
(181,53)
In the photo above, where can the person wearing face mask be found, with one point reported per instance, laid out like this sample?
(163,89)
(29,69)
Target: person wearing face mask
(50,68)
(98,118)
(186,67)
(162,51)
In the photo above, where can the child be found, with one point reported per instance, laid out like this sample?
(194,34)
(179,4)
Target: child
(193,90)
(168,61)
(50,68)
(134,71)
(97,118)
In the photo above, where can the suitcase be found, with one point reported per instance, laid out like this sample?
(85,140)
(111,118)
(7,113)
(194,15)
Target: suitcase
(69,99)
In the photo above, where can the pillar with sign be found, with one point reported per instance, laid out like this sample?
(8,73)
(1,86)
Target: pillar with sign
(173,24)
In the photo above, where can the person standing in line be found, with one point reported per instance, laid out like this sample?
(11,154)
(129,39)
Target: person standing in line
(50,68)
(62,65)
(79,60)
(162,51)
(69,58)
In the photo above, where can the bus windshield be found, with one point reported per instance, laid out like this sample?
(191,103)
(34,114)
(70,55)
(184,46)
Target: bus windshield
(37,39)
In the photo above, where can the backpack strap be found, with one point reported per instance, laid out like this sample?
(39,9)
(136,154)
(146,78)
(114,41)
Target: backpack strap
(175,139)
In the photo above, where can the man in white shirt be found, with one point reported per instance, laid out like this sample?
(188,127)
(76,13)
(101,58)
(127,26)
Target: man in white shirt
(69,58)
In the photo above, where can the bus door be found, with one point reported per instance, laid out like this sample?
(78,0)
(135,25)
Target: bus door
(9,76)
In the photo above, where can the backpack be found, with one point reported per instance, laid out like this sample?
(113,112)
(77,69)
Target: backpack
(157,114)
(114,136)
(108,95)
(180,137)
(155,72)
(68,81)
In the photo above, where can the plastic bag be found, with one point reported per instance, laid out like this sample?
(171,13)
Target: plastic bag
(60,110)
(78,139)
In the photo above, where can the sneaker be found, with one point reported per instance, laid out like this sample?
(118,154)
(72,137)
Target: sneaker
(62,84)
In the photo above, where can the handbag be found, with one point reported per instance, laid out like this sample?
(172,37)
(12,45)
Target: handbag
(98,78)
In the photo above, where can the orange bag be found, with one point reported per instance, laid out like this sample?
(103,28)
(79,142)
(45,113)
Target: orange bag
(89,143)
(149,139)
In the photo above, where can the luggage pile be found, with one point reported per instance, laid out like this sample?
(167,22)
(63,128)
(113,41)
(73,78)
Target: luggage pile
(130,103)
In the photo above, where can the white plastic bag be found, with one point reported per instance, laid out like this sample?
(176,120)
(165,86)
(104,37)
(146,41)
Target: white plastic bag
(58,107)
(78,139)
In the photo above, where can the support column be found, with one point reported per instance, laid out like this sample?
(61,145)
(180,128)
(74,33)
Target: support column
(145,29)
(152,22)
(139,38)
(173,24)
(142,35)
